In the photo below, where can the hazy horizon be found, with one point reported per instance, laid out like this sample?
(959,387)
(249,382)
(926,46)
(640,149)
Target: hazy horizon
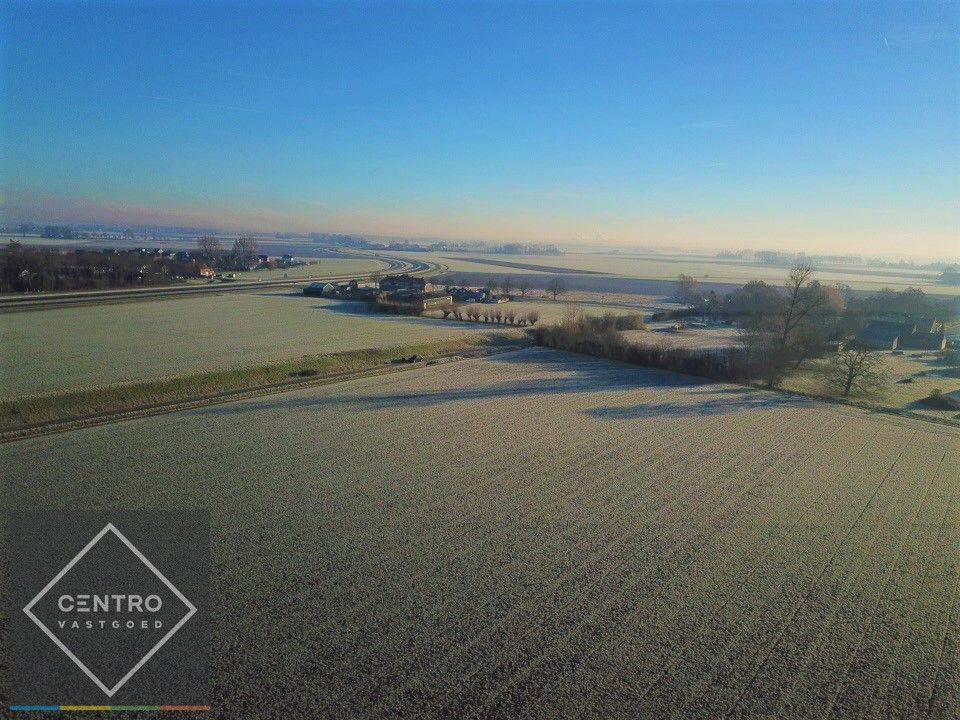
(826,129)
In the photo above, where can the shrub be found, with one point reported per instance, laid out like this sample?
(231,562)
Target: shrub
(600,337)
(941,401)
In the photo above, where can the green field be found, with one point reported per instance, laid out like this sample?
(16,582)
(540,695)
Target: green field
(540,534)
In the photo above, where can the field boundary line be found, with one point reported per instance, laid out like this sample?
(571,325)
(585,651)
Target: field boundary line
(228,396)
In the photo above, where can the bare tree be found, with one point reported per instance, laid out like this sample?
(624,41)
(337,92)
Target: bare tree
(687,290)
(532,317)
(762,356)
(210,248)
(523,286)
(858,370)
(506,285)
(802,300)
(556,287)
(244,251)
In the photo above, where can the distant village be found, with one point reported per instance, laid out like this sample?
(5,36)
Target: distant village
(27,268)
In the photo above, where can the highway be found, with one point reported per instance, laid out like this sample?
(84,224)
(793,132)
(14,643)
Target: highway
(51,300)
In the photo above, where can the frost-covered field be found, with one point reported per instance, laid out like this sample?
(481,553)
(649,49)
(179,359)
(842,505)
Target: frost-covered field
(707,270)
(65,348)
(47,350)
(540,534)
(323,267)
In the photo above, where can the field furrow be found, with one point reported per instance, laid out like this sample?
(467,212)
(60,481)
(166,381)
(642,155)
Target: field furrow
(540,534)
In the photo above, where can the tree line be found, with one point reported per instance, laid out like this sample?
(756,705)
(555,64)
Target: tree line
(779,329)
(30,269)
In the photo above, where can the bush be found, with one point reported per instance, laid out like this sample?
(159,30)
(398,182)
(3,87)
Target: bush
(600,337)
(675,314)
(939,400)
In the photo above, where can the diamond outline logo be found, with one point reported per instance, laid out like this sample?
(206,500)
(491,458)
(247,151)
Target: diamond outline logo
(109,527)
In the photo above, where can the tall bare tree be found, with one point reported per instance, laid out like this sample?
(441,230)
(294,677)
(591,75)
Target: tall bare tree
(802,300)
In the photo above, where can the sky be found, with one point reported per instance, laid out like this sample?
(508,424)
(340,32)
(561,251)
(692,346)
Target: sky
(821,127)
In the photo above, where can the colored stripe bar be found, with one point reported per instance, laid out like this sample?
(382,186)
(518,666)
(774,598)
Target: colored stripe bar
(35,707)
(102,708)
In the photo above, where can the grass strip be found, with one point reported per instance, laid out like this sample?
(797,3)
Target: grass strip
(30,410)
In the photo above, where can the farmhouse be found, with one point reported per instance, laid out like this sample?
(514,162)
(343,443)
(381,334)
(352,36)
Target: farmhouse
(319,289)
(466,294)
(404,283)
(919,340)
(880,335)
(921,334)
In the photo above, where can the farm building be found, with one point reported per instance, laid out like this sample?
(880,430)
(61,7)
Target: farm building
(423,301)
(404,283)
(320,289)
(415,302)
(466,294)
(921,334)
(927,326)
(919,340)
(880,335)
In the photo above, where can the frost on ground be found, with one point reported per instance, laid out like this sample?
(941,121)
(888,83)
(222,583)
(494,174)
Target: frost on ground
(540,534)
(70,348)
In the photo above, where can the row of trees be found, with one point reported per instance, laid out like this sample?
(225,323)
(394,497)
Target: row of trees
(30,269)
(850,371)
(492,314)
(578,332)
(522,285)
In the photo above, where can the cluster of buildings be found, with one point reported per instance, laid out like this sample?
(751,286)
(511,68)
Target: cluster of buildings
(402,293)
(917,334)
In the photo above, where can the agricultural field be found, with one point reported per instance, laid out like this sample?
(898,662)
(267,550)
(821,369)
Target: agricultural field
(69,348)
(324,267)
(46,350)
(666,268)
(689,338)
(540,534)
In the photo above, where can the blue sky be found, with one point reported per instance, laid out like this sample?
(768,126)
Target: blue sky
(807,126)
